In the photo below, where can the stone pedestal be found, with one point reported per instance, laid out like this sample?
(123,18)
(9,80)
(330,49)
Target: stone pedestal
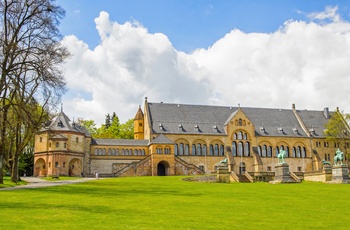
(340,174)
(327,172)
(222,174)
(282,174)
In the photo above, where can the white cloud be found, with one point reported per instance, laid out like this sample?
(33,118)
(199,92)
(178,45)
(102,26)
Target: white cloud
(303,62)
(330,13)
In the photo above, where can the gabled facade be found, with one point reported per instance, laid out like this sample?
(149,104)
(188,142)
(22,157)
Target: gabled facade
(179,139)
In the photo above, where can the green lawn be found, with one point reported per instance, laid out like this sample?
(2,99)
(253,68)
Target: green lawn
(8,183)
(170,203)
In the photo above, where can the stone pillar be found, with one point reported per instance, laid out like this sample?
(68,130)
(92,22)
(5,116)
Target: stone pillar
(222,174)
(327,172)
(340,174)
(282,174)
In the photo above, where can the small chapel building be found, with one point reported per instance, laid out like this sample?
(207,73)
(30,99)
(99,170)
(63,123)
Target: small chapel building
(182,139)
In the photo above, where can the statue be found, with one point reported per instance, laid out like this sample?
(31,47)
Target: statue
(281,155)
(224,161)
(325,162)
(339,156)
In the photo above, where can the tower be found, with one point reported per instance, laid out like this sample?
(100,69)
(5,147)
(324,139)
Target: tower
(139,125)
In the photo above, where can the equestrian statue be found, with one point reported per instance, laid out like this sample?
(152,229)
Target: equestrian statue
(339,157)
(281,155)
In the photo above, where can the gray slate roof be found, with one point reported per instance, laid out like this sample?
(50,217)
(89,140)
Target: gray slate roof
(62,123)
(161,139)
(314,121)
(166,118)
(118,142)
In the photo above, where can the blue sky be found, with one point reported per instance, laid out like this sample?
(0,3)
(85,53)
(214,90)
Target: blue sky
(190,24)
(254,53)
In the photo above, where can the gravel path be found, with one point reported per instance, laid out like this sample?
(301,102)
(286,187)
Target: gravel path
(35,182)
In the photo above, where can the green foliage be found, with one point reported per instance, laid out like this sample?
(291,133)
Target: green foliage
(111,129)
(170,203)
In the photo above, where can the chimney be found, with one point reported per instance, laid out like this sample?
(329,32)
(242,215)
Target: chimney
(293,106)
(326,112)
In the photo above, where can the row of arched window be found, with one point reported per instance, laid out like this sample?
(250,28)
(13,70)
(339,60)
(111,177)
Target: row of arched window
(240,149)
(240,136)
(122,152)
(199,150)
(269,151)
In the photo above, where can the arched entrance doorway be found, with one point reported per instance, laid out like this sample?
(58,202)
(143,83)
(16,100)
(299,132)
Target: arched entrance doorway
(162,168)
(75,167)
(241,168)
(40,167)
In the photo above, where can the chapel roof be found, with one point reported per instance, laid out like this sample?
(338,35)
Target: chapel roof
(168,118)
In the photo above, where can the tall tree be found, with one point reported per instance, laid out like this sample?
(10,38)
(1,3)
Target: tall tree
(338,131)
(30,58)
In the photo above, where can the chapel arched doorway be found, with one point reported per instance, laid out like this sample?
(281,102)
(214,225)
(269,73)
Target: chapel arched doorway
(75,167)
(162,168)
(242,168)
(40,167)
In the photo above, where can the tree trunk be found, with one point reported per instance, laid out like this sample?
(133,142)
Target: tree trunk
(1,173)
(14,169)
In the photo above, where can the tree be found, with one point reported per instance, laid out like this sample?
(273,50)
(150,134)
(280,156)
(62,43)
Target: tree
(127,130)
(31,80)
(89,125)
(338,131)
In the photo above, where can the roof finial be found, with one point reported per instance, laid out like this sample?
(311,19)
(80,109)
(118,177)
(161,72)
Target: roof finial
(61,107)
(239,105)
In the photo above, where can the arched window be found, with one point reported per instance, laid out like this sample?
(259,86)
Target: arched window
(181,152)
(269,151)
(245,136)
(135,152)
(259,150)
(235,136)
(303,152)
(234,149)
(287,151)
(211,150)
(204,150)
(117,152)
(193,149)
(239,122)
(240,135)
(216,150)
(247,149)
(240,149)
(143,152)
(294,152)
(298,151)
(126,152)
(264,151)
(123,152)
(277,151)
(139,152)
(199,149)
(96,151)
(100,152)
(187,151)
(175,150)
(222,151)
(109,152)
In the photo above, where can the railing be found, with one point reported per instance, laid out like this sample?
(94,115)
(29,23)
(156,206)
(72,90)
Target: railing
(295,177)
(234,176)
(249,177)
(189,165)
(132,164)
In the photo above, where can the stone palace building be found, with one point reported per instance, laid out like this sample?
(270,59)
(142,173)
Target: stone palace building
(181,139)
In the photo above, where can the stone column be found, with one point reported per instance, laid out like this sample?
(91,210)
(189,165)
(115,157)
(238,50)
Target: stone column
(222,174)
(340,174)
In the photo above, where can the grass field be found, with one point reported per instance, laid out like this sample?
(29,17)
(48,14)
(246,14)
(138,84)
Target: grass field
(171,203)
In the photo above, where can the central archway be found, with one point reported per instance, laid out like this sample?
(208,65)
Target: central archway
(162,168)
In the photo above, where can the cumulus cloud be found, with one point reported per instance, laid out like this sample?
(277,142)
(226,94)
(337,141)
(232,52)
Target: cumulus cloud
(303,62)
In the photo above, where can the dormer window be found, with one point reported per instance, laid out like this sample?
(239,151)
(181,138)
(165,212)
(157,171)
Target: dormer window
(280,129)
(181,127)
(262,129)
(196,128)
(295,131)
(161,126)
(312,131)
(215,128)
(60,124)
